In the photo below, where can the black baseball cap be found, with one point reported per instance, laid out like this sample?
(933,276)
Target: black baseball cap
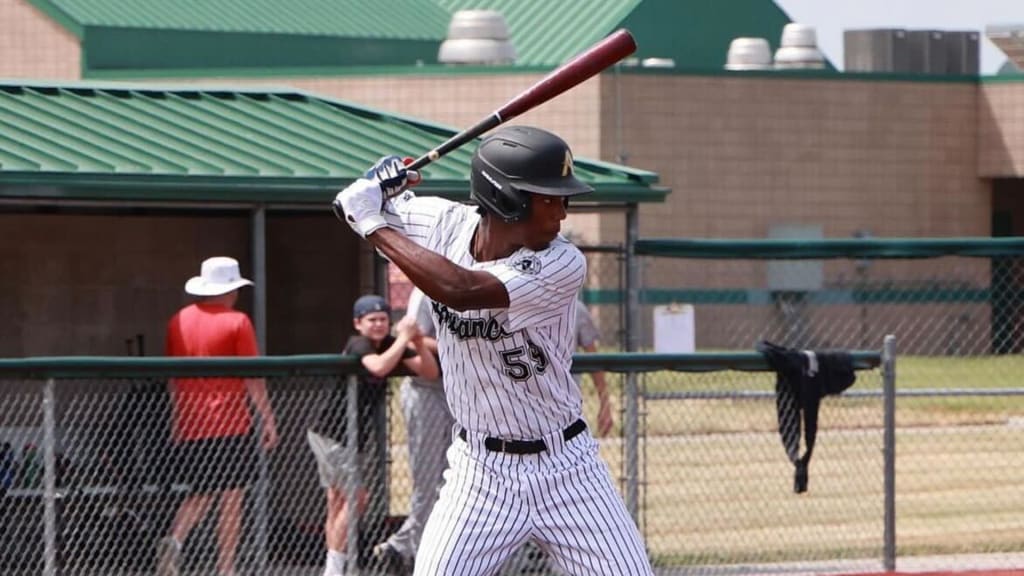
(369,303)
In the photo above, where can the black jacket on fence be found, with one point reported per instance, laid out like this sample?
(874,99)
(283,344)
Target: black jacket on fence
(803,378)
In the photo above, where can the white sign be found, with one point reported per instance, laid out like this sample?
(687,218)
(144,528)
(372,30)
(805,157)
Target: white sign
(674,329)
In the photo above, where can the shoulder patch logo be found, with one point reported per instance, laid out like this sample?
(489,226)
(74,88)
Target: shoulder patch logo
(527,265)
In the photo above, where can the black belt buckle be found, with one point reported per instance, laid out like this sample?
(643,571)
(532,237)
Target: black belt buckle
(515,446)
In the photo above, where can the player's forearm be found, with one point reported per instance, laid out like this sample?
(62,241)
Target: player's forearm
(438,277)
(428,364)
(601,386)
(430,343)
(380,365)
(257,388)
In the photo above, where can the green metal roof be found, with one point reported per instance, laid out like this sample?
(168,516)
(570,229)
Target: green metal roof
(404,19)
(156,37)
(153,35)
(121,141)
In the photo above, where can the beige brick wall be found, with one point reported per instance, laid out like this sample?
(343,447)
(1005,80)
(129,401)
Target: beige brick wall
(1001,129)
(34,46)
(744,154)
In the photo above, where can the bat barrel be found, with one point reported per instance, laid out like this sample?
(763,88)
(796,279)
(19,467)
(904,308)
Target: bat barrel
(588,63)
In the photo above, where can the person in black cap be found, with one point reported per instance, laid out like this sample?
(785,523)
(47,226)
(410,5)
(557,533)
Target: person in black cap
(381,354)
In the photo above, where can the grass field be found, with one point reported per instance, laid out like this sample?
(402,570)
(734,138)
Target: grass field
(717,486)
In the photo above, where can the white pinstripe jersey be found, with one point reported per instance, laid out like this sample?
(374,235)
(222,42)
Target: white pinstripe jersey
(506,371)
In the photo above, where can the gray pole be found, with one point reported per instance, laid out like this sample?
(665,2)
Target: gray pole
(49,481)
(355,479)
(889,417)
(259,310)
(631,427)
(259,274)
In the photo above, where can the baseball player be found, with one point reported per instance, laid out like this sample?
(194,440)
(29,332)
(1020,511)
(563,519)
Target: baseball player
(503,281)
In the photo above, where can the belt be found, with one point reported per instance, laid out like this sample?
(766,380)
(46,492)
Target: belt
(527,446)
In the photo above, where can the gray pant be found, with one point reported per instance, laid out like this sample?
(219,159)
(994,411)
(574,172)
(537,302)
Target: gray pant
(428,425)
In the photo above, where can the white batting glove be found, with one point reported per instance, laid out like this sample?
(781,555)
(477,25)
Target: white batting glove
(359,205)
(392,175)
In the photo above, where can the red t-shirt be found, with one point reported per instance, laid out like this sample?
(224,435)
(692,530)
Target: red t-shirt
(210,407)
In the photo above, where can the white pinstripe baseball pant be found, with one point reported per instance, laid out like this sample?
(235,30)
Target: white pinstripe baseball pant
(562,498)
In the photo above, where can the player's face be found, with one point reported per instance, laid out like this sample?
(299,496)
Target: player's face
(375,325)
(546,215)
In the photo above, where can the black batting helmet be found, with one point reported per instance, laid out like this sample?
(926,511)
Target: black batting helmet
(516,161)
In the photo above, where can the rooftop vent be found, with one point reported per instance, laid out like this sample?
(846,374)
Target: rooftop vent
(658,63)
(799,49)
(477,37)
(749,54)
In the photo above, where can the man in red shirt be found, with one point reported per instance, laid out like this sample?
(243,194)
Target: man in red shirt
(212,426)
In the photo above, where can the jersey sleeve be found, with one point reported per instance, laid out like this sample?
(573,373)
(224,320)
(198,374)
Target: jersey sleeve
(541,285)
(358,346)
(245,338)
(172,339)
(586,331)
(418,218)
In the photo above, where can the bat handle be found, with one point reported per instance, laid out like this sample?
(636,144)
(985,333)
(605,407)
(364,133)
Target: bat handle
(457,141)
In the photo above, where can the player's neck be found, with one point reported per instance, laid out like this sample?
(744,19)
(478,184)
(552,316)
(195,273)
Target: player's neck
(492,240)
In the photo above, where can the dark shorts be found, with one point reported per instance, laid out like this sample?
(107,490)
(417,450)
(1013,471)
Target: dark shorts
(216,464)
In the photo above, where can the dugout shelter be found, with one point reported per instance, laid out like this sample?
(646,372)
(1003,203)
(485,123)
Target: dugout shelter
(112,194)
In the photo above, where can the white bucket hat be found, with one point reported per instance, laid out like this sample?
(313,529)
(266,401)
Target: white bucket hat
(218,275)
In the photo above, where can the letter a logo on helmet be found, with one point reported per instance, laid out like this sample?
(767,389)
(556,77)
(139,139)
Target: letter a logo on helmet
(567,163)
(516,162)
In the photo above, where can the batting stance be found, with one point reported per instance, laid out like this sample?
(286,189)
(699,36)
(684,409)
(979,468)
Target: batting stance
(503,282)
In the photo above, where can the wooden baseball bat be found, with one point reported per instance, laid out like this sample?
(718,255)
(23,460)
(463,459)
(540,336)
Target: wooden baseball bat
(586,64)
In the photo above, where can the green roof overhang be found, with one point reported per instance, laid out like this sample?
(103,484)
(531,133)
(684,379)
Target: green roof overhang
(121,142)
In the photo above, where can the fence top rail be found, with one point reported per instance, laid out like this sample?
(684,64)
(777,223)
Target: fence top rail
(44,367)
(698,362)
(753,248)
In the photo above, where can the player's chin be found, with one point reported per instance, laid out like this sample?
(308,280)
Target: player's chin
(539,244)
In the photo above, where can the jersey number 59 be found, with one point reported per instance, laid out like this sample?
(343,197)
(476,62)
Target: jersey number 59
(523,362)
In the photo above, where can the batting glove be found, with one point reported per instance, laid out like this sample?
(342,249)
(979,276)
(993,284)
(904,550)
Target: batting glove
(390,172)
(359,205)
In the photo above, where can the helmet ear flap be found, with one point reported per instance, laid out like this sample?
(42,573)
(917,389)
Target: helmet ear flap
(515,203)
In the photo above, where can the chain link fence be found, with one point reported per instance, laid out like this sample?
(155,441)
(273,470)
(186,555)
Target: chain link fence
(94,481)
(956,307)
(91,480)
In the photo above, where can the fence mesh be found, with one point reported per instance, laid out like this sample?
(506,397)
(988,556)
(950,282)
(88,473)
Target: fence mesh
(719,488)
(716,486)
(959,325)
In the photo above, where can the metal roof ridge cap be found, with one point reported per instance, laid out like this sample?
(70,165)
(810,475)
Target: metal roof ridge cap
(43,84)
(60,16)
(606,166)
(432,126)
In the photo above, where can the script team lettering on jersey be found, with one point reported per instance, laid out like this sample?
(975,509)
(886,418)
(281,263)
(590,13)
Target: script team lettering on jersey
(506,371)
